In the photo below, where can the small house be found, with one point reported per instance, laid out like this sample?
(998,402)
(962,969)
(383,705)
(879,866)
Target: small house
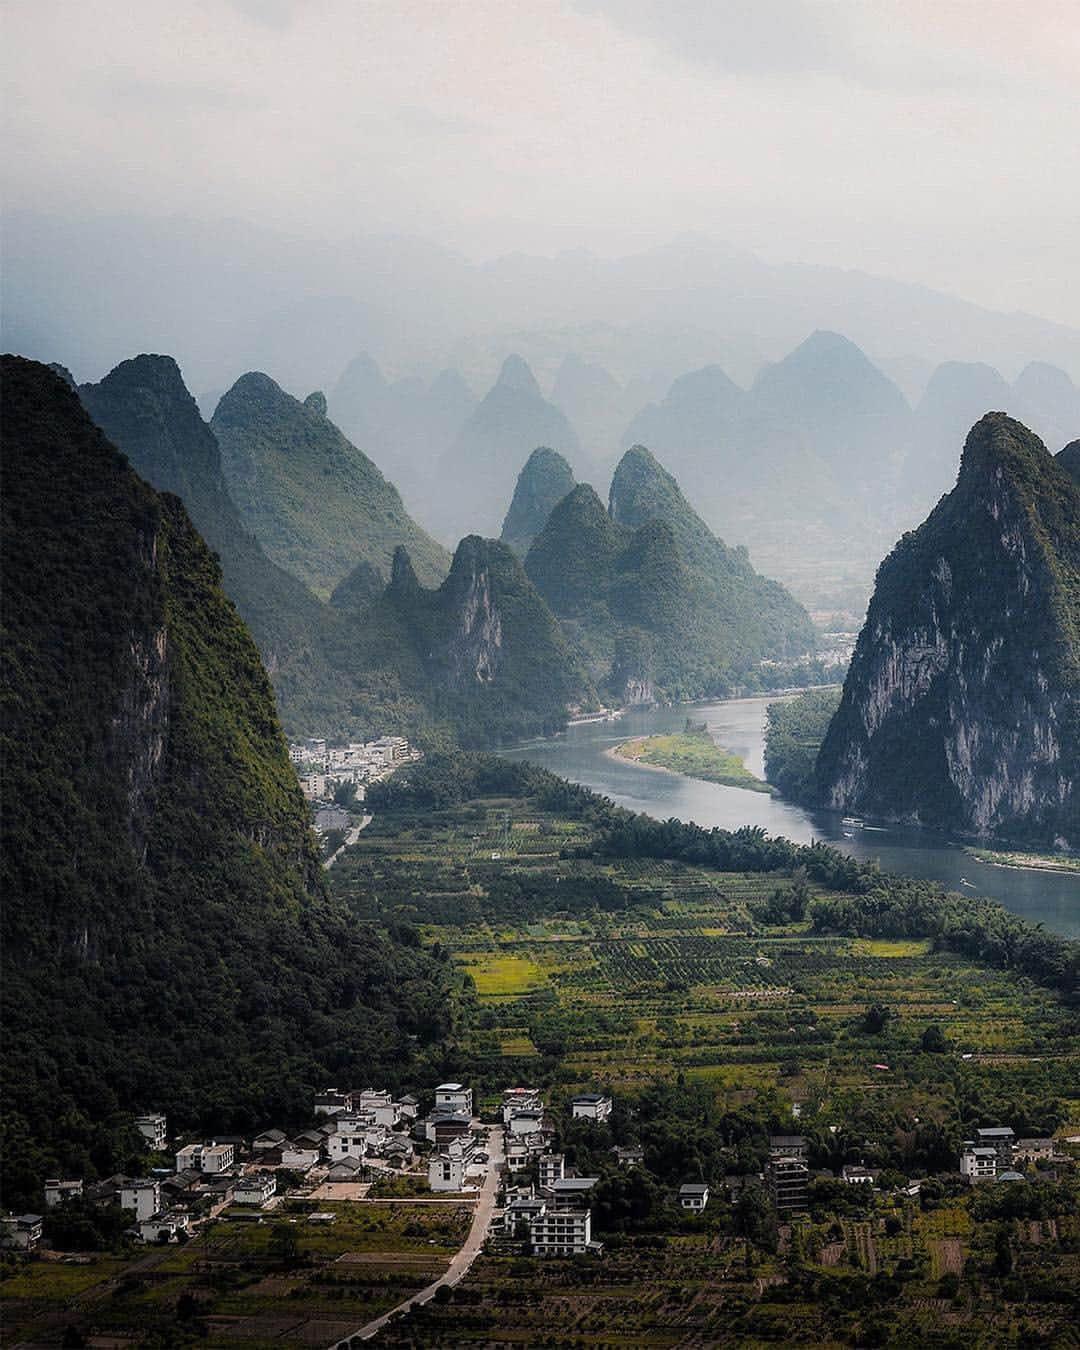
(57,1192)
(693,1195)
(453,1098)
(254,1189)
(591,1106)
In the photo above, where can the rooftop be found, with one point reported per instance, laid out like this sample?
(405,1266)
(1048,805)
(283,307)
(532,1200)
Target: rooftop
(693,1188)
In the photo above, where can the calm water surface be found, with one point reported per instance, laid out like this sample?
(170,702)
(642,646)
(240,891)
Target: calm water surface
(739,726)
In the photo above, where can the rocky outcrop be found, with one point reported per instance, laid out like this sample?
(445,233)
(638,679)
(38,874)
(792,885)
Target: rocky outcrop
(473,644)
(961,709)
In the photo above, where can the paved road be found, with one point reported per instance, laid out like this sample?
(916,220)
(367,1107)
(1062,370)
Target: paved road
(459,1266)
(350,838)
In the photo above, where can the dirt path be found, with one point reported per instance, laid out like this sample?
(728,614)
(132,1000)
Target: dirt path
(460,1264)
(350,839)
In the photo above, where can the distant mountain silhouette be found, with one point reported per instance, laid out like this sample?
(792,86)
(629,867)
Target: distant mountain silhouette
(404,425)
(475,477)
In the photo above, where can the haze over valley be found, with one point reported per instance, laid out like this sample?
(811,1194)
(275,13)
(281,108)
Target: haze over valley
(540,682)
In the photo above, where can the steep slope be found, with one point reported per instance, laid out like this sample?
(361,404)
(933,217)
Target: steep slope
(481,654)
(1069,459)
(167,939)
(475,476)
(315,502)
(762,618)
(542,483)
(657,606)
(144,408)
(961,708)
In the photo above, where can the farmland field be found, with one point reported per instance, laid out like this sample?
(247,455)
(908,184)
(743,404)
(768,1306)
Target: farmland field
(635,970)
(242,1285)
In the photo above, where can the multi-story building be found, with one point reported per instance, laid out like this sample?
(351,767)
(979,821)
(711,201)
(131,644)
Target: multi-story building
(1001,1139)
(22,1232)
(447,1170)
(789,1182)
(209,1158)
(561,1232)
(255,1189)
(331,1102)
(570,1192)
(552,1169)
(142,1195)
(517,1099)
(454,1098)
(152,1128)
(444,1126)
(979,1164)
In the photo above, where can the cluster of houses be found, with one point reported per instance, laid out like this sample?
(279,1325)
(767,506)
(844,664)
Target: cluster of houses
(995,1154)
(552,1217)
(319,765)
(353,1132)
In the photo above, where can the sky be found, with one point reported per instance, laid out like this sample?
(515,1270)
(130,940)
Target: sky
(935,141)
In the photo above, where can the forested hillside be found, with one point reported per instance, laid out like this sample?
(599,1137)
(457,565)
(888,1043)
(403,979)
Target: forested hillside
(658,607)
(316,503)
(481,658)
(159,872)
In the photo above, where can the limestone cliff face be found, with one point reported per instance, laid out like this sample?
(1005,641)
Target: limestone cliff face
(472,646)
(961,708)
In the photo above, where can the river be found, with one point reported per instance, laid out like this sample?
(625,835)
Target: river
(580,754)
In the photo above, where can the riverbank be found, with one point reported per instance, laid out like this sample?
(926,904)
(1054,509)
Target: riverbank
(693,754)
(1026,862)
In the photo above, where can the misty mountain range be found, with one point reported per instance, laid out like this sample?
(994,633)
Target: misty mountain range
(226,297)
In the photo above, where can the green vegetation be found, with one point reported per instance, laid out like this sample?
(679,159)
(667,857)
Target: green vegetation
(167,937)
(542,484)
(794,731)
(657,606)
(282,1279)
(316,503)
(694,753)
(970,651)
(481,658)
(711,980)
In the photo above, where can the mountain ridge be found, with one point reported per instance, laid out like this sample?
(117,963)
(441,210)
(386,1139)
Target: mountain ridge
(960,708)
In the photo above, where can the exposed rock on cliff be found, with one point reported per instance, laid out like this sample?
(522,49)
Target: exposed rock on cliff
(482,653)
(167,938)
(961,709)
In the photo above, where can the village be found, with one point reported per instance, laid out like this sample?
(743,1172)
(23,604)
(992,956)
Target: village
(364,1144)
(322,769)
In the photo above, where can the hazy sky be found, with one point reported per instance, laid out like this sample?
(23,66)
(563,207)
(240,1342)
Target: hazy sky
(931,140)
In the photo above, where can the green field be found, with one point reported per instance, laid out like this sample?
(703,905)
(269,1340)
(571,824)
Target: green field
(695,754)
(242,1285)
